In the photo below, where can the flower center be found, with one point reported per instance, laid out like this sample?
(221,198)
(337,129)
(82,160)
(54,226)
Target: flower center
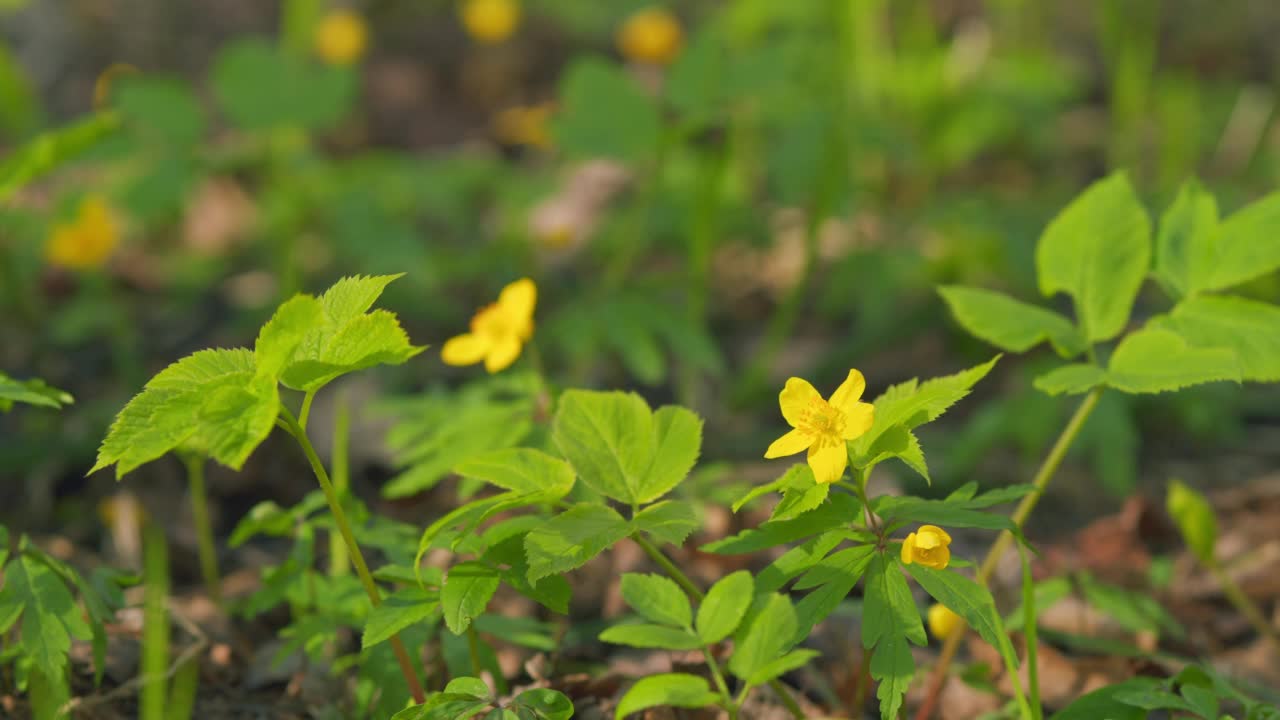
(821,418)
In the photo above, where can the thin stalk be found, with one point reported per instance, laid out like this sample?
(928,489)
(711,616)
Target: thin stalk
(155,626)
(473,647)
(1046,472)
(305,412)
(1029,634)
(204,528)
(716,675)
(182,693)
(339,560)
(357,557)
(1246,606)
(683,581)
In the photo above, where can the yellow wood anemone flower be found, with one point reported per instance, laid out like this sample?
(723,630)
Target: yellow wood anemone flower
(498,331)
(489,21)
(86,242)
(341,37)
(942,621)
(652,35)
(928,546)
(823,426)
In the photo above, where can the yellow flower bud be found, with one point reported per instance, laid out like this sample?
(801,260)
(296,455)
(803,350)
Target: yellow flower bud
(87,241)
(524,125)
(490,21)
(652,35)
(943,622)
(341,37)
(928,546)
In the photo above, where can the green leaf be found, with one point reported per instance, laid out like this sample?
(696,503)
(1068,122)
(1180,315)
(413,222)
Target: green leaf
(1071,379)
(397,612)
(1098,250)
(279,337)
(836,512)
(609,439)
(31,392)
(628,132)
(1138,612)
(937,512)
(724,606)
(785,664)
(260,87)
(1247,246)
(161,110)
(797,560)
(677,442)
(1196,520)
(50,150)
(524,470)
(669,521)
(542,704)
(833,578)
(1105,703)
(1185,242)
(208,402)
(911,404)
(1153,361)
(898,442)
(468,588)
(644,635)
(50,616)
(800,496)
(666,690)
(769,636)
(970,601)
(1011,324)
(658,599)
(1249,328)
(573,537)
(890,619)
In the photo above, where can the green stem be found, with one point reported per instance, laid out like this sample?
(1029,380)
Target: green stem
(716,675)
(204,528)
(155,626)
(1029,627)
(357,557)
(473,647)
(1046,472)
(339,560)
(683,581)
(305,412)
(1246,606)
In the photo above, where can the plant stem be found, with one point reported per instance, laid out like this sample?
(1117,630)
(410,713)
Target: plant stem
(357,557)
(339,561)
(1029,634)
(305,412)
(473,647)
(716,675)
(155,626)
(1046,472)
(683,581)
(1246,606)
(204,529)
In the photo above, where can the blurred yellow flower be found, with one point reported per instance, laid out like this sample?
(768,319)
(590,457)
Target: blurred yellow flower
(928,546)
(341,37)
(651,35)
(524,125)
(942,621)
(105,84)
(823,426)
(498,331)
(489,21)
(87,241)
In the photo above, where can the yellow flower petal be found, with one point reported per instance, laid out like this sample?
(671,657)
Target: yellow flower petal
(933,536)
(908,549)
(789,444)
(942,621)
(858,420)
(518,301)
(490,21)
(465,349)
(502,354)
(828,461)
(849,392)
(796,395)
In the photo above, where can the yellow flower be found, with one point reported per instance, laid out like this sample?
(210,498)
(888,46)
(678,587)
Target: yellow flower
(942,621)
(652,35)
(341,37)
(823,426)
(498,331)
(87,241)
(928,546)
(490,21)
(524,125)
(104,86)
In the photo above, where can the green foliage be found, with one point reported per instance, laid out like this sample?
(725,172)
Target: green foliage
(50,150)
(657,599)
(890,619)
(1249,328)
(761,652)
(1098,250)
(1196,520)
(468,697)
(724,607)
(468,588)
(969,600)
(628,133)
(570,539)
(260,87)
(1198,253)
(666,689)
(1150,361)
(398,611)
(31,392)
(1010,324)
(668,521)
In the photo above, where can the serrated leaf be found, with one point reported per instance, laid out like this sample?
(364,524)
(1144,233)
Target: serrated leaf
(889,619)
(666,690)
(797,560)
(398,611)
(724,606)
(770,635)
(670,521)
(468,588)
(892,667)
(833,578)
(836,512)
(31,392)
(658,599)
(1098,250)
(1248,246)
(208,402)
(938,512)
(1153,360)
(1185,242)
(570,539)
(608,438)
(898,442)
(1011,324)
(645,635)
(50,616)
(785,664)
(912,404)
(796,475)
(970,601)
(542,704)
(1249,328)
(677,442)
(1072,379)
(524,470)
(280,336)
(802,495)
